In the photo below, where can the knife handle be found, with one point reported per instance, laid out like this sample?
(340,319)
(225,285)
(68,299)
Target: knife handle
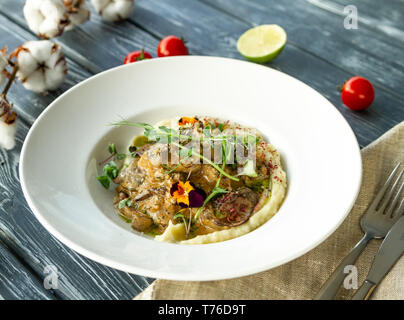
(331,286)
(365,291)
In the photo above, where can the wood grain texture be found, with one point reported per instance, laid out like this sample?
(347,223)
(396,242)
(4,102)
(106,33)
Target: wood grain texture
(95,45)
(319,52)
(322,33)
(17,282)
(387,19)
(196,22)
(29,104)
(81,278)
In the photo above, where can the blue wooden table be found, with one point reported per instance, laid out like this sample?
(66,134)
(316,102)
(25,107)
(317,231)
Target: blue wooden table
(320,52)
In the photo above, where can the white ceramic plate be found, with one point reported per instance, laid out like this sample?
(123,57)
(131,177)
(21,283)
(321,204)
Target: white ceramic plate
(59,163)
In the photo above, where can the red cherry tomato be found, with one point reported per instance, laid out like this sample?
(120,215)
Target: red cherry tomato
(357,93)
(137,56)
(171,46)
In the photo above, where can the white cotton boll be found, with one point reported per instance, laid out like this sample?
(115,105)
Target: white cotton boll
(77,11)
(49,28)
(56,70)
(78,18)
(47,18)
(52,8)
(35,82)
(55,77)
(100,5)
(3,64)
(40,50)
(124,7)
(42,65)
(33,16)
(26,63)
(8,128)
(117,10)
(113,10)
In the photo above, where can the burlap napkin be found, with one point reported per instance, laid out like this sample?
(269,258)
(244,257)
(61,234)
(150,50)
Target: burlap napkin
(303,277)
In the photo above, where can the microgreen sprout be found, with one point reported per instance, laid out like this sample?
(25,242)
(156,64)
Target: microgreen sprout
(187,222)
(124,203)
(178,165)
(110,168)
(114,154)
(221,170)
(216,190)
(165,134)
(111,171)
(105,181)
(112,148)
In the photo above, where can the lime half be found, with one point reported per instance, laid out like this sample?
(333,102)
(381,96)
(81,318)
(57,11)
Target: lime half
(263,43)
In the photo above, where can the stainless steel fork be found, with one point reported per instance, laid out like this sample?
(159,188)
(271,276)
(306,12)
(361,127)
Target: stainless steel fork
(375,223)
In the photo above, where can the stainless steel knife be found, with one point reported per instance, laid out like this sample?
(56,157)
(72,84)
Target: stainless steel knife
(389,252)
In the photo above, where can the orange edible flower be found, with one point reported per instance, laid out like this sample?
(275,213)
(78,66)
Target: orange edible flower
(186,120)
(182,191)
(186,195)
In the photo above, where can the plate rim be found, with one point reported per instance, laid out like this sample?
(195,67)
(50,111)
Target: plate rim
(160,273)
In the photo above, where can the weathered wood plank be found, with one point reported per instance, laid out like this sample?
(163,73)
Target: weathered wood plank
(386,17)
(29,104)
(147,14)
(215,33)
(90,48)
(79,277)
(95,45)
(16,282)
(322,33)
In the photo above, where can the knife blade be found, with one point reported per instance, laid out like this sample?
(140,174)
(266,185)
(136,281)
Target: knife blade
(389,252)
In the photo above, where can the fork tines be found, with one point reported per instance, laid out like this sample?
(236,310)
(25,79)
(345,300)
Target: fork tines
(386,193)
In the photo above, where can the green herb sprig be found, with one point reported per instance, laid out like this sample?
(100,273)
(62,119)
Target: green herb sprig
(187,156)
(111,171)
(214,165)
(168,135)
(216,190)
(110,168)
(186,221)
(124,203)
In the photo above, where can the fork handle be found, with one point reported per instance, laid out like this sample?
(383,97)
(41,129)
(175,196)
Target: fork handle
(331,286)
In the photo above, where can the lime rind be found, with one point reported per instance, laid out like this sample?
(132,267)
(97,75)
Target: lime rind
(262,43)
